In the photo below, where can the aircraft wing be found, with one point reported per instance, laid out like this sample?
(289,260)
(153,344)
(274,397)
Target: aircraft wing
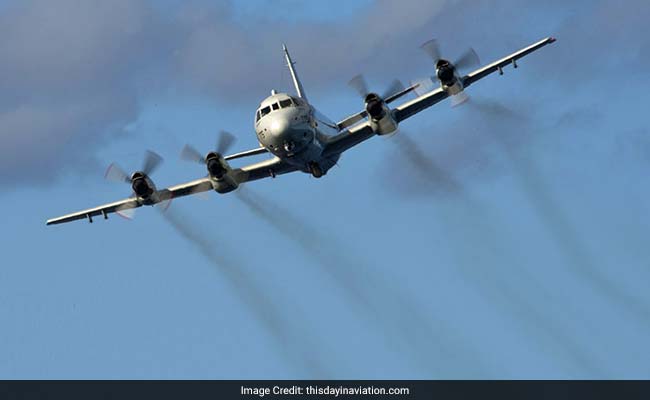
(199,185)
(263,169)
(413,107)
(358,133)
(505,61)
(260,170)
(410,108)
(348,138)
(103,210)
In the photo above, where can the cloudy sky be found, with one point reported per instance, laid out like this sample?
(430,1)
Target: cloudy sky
(506,238)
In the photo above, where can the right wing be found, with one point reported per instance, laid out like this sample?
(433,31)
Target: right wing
(263,169)
(260,170)
(199,185)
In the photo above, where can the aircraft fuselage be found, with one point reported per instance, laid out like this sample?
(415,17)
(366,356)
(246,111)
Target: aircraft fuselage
(293,130)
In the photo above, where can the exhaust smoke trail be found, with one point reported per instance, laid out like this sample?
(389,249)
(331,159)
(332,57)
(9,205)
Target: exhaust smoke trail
(418,334)
(436,179)
(566,238)
(501,292)
(255,297)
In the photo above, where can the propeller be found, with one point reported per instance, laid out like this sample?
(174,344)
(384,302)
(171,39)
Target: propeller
(445,70)
(468,59)
(214,160)
(225,140)
(151,162)
(139,180)
(394,91)
(116,174)
(375,104)
(432,49)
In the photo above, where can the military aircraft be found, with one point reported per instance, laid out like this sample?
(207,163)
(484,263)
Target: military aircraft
(299,137)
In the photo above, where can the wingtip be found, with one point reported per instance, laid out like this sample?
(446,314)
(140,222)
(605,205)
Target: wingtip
(284,47)
(552,39)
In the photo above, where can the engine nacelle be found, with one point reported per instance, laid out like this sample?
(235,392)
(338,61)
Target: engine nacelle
(219,171)
(217,166)
(448,76)
(142,185)
(380,117)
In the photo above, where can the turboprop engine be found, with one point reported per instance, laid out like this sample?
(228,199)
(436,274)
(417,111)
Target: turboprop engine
(376,106)
(218,168)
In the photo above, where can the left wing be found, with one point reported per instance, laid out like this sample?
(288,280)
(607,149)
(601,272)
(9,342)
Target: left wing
(425,101)
(505,61)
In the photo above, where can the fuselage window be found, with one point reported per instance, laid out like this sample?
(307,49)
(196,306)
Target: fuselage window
(285,103)
(276,106)
(265,111)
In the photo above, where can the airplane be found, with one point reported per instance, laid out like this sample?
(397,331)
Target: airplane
(300,138)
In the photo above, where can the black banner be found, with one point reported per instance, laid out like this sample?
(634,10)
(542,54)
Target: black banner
(255,390)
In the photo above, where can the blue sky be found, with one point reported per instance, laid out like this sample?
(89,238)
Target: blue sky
(535,267)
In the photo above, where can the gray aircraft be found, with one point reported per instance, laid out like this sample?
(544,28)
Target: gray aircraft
(299,137)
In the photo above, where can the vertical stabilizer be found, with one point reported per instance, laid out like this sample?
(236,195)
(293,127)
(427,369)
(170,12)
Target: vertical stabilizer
(296,82)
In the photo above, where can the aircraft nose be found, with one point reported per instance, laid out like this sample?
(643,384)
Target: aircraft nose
(279,127)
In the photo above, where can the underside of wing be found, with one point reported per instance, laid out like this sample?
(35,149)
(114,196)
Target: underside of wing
(103,210)
(505,61)
(347,139)
(410,108)
(186,189)
(264,169)
(427,100)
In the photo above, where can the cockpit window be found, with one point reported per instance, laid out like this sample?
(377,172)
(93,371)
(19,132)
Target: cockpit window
(285,103)
(265,111)
(276,106)
(298,101)
(257,116)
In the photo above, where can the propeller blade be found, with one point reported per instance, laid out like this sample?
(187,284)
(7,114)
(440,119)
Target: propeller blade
(202,195)
(128,213)
(458,99)
(432,49)
(151,162)
(189,153)
(359,84)
(225,140)
(395,87)
(116,174)
(164,205)
(469,59)
(424,85)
